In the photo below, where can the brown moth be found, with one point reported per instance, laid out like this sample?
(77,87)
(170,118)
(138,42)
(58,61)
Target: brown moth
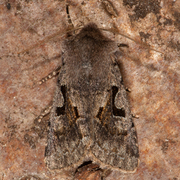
(90,118)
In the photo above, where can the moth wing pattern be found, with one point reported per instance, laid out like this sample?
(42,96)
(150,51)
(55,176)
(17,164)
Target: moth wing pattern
(64,146)
(91,118)
(115,138)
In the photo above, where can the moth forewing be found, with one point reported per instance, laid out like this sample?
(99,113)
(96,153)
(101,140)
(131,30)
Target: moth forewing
(93,119)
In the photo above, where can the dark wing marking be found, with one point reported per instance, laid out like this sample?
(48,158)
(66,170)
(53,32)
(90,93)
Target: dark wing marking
(115,139)
(64,147)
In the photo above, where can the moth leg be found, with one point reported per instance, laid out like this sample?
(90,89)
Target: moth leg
(69,17)
(122,45)
(44,112)
(50,75)
(135,116)
(128,89)
(109,8)
(70,25)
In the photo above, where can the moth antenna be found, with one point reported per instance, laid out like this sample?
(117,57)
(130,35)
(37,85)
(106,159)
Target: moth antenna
(75,29)
(126,36)
(47,39)
(71,29)
(42,42)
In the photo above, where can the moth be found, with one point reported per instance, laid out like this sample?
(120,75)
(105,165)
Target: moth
(90,118)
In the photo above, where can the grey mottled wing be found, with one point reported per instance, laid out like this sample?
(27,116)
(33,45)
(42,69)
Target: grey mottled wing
(115,138)
(64,146)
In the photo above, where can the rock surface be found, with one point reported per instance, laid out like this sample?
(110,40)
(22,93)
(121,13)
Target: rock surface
(154,80)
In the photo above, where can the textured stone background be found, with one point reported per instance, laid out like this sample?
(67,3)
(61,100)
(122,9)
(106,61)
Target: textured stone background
(154,80)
